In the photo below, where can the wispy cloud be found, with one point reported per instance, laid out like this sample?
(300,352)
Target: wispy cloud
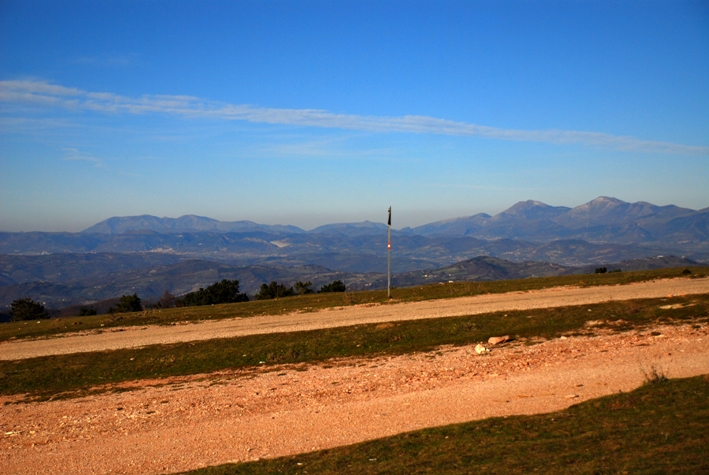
(326,148)
(44,94)
(105,61)
(73,154)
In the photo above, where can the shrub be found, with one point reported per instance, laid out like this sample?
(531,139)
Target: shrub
(127,303)
(302,288)
(655,375)
(601,270)
(167,300)
(336,286)
(28,309)
(226,291)
(87,311)
(274,290)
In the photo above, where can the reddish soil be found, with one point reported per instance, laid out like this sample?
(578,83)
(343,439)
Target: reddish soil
(180,424)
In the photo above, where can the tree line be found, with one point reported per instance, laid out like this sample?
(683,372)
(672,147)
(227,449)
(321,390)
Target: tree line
(274,290)
(225,291)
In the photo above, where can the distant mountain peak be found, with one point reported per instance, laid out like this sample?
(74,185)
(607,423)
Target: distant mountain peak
(528,204)
(532,210)
(606,200)
(350,229)
(193,216)
(185,223)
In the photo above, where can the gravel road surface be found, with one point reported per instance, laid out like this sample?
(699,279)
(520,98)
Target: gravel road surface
(128,337)
(180,424)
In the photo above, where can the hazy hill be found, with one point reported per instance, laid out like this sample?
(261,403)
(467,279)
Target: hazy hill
(188,223)
(452,227)
(359,253)
(603,219)
(482,268)
(691,228)
(69,267)
(55,291)
(648,263)
(530,210)
(605,211)
(152,282)
(485,268)
(351,229)
(111,257)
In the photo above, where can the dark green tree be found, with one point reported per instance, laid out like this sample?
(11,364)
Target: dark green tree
(336,286)
(27,309)
(226,291)
(302,288)
(127,303)
(274,290)
(87,311)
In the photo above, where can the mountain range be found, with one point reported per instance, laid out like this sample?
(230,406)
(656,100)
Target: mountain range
(188,223)
(148,255)
(603,219)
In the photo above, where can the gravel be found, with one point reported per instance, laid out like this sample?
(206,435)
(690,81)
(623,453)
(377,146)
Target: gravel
(177,424)
(128,337)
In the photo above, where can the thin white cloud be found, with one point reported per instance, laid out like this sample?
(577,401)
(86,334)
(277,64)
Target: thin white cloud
(43,94)
(105,61)
(73,154)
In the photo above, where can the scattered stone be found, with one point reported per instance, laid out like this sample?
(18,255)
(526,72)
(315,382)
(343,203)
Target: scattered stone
(481,350)
(496,340)
(676,306)
(572,396)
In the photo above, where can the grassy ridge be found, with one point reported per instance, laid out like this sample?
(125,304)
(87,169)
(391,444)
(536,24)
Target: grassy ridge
(72,374)
(307,303)
(658,428)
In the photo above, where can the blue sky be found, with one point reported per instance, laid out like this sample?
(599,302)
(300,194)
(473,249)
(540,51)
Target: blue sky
(313,112)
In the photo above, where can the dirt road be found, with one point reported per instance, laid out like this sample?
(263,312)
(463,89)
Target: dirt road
(141,336)
(191,422)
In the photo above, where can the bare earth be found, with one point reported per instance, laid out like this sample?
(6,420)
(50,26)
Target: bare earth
(141,336)
(192,422)
(177,424)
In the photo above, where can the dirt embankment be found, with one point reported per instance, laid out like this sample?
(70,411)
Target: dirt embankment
(141,336)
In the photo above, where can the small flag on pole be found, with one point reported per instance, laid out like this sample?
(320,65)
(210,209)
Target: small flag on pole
(389,255)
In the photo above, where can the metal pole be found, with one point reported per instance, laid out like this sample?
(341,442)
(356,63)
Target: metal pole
(389,255)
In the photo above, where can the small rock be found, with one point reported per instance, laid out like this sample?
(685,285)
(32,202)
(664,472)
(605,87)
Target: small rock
(496,340)
(481,350)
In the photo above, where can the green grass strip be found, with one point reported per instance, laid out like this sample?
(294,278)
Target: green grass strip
(50,376)
(314,302)
(659,428)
